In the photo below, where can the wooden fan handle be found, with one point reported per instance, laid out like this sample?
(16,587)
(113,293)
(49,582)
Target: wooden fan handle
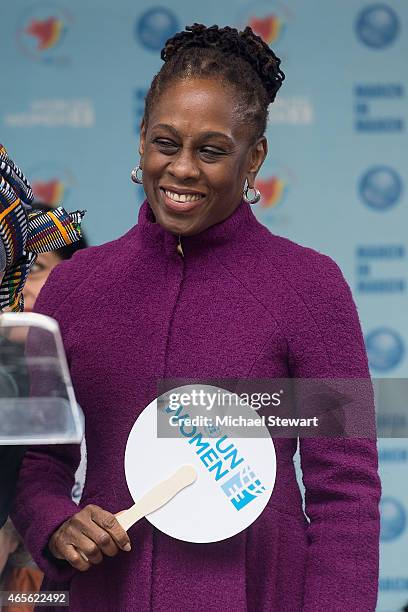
(159,495)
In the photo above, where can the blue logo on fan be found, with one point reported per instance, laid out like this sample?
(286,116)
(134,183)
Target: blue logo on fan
(385,349)
(393,519)
(380,188)
(155,26)
(377,26)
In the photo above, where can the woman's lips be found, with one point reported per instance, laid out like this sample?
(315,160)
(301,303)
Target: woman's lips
(180,207)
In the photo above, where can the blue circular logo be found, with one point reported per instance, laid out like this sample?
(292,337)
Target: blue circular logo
(380,188)
(385,349)
(377,26)
(393,519)
(155,26)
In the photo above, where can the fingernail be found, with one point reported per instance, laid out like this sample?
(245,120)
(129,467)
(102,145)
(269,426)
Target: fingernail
(127,547)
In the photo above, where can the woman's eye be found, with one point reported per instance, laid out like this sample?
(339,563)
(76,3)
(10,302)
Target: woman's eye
(209,152)
(36,268)
(166,145)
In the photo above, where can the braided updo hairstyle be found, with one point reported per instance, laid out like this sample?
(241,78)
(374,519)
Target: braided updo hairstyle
(241,60)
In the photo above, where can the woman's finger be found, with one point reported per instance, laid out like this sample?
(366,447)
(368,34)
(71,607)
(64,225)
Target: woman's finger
(86,546)
(108,522)
(102,539)
(85,537)
(74,558)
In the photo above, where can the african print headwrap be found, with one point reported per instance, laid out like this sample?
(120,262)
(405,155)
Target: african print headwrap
(24,232)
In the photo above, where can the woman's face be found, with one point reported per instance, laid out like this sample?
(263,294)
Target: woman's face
(40,271)
(196,155)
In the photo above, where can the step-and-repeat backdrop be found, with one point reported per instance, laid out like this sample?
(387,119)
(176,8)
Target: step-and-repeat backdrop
(74,77)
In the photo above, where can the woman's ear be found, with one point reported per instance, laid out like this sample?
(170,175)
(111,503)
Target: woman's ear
(142,139)
(259,151)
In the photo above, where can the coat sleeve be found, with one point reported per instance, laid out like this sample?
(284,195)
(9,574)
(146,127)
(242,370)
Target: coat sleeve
(342,487)
(43,494)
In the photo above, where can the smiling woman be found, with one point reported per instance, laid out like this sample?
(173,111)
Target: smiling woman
(203,130)
(200,290)
(194,172)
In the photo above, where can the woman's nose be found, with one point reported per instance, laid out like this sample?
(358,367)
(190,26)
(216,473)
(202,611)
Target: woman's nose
(30,293)
(184,166)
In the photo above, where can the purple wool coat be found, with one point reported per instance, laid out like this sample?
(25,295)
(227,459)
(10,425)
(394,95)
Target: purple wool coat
(241,303)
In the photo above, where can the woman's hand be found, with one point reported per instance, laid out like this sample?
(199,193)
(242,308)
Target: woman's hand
(88,535)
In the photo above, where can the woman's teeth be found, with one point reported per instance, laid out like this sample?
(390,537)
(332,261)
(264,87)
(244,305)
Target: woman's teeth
(183,197)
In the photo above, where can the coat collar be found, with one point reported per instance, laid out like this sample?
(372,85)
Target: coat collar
(233,228)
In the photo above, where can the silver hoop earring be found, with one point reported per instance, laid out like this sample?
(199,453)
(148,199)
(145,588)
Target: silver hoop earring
(135,176)
(255,198)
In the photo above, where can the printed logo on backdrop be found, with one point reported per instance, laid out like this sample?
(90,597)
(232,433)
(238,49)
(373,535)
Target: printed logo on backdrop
(393,455)
(269,20)
(379,107)
(273,189)
(377,26)
(380,188)
(41,32)
(291,110)
(381,268)
(393,519)
(393,583)
(275,184)
(52,183)
(54,112)
(155,26)
(385,349)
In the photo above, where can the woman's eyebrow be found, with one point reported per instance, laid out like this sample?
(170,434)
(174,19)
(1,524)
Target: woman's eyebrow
(201,136)
(165,126)
(212,134)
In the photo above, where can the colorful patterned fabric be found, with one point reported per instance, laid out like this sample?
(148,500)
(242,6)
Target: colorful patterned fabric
(13,222)
(24,232)
(13,282)
(52,229)
(16,197)
(13,175)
